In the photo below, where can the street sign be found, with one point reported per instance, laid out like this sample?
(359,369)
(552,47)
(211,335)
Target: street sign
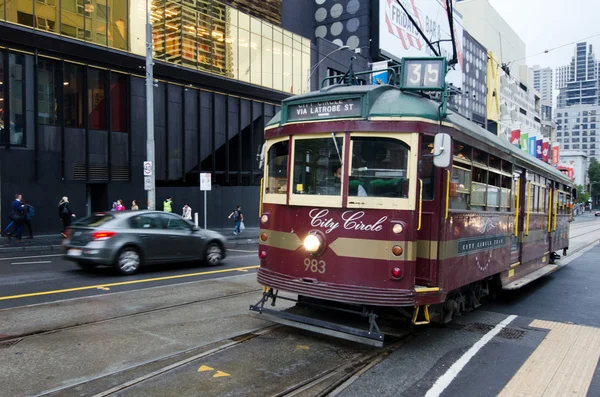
(147,183)
(205,181)
(147,169)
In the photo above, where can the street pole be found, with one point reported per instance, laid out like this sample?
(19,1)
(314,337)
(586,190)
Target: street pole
(150,110)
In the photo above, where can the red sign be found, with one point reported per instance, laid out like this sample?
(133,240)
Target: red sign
(515,137)
(555,155)
(545,151)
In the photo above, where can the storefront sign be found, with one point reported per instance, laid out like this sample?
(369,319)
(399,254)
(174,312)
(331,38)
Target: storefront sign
(340,108)
(478,244)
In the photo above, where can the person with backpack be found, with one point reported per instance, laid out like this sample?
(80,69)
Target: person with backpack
(29,212)
(17,216)
(65,214)
(238,218)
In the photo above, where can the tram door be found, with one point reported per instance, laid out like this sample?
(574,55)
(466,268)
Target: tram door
(430,201)
(519,207)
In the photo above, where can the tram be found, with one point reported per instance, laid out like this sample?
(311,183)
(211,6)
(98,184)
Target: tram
(377,197)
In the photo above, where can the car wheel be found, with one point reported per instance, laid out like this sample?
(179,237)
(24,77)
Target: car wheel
(87,265)
(214,254)
(128,261)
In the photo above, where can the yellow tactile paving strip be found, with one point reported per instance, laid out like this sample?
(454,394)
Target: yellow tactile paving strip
(562,365)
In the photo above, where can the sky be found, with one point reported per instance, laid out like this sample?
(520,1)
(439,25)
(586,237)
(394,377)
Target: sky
(546,24)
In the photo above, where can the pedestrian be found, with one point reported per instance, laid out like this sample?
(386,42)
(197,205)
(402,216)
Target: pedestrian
(120,206)
(65,214)
(168,205)
(114,206)
(187,212)
(134,205)
(29,213)
(17,215)
(238,218)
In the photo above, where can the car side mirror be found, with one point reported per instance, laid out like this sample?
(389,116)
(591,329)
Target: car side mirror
(442,145)
(195,229)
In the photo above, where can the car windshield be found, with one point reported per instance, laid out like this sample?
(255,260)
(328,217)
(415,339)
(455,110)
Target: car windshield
(94,220)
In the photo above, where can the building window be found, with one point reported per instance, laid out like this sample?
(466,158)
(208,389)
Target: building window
(47,91)
(576,146)
(73,96)
(566,147)
(96,99)
(118,102)
(17,89)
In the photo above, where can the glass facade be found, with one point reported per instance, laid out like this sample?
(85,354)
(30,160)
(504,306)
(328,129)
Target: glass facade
(216,38)
(200,34)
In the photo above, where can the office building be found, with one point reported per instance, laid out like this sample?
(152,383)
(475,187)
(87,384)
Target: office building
(72,101)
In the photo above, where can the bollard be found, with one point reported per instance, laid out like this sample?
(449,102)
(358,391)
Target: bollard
(196,219)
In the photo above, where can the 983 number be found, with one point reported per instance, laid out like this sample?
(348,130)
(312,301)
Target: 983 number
(315,266)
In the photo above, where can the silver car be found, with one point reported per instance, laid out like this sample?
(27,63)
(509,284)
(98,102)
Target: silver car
(130,239)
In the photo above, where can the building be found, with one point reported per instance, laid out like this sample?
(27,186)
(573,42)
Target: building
(472,101)
(582,86)
(578,129)
(542,82)
(72,101)
(518,105)
(579,161)
(563,75)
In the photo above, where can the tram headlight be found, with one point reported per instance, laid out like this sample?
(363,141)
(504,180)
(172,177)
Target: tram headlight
(397,228)
(312,243)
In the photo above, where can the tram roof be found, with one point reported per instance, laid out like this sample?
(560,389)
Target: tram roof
(386,101)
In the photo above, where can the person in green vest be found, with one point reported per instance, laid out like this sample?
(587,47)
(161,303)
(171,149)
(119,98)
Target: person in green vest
(168,205)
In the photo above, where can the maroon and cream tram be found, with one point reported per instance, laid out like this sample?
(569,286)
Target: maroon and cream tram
(375,197)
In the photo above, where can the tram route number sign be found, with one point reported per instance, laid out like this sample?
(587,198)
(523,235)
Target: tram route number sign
(423,74)
(339,108)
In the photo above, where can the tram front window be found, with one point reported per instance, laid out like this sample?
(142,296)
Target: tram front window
(379,167)
(277,161)
(318,167)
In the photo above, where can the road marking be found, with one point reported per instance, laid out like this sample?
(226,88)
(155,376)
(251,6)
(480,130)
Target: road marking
(148,280)
(234,250)
(30,263)
(444,381)
(220,374)
(29,257)
(205,368)
(302,347)
(562,365)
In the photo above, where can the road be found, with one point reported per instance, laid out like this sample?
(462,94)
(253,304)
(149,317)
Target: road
(44,277)
(193,335)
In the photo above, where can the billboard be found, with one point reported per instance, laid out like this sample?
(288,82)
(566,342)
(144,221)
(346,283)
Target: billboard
(545,150)
(515,137)
(555,154)
(398,38)
(532,144)
(524,141)
(538,147)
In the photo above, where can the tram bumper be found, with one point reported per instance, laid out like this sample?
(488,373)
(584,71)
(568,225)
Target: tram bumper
(373,336)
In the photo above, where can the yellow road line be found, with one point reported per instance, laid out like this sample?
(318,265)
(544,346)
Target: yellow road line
(562,365)
(148,280)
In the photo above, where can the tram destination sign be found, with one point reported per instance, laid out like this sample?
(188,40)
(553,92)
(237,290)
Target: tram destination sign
(338,108)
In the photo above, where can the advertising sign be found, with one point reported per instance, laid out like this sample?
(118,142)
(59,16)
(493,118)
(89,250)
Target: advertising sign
(325,110)
(515,137)
(380,73)
(532,143)
(525,142)
(555,154)
(545,150)
(398,38)
(538,148)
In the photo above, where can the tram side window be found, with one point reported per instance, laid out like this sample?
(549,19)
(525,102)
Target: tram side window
(505,193)
(478,189)
(426,168)
(493,191)
(318,166)
(461,187)
(379,168)
(277,175)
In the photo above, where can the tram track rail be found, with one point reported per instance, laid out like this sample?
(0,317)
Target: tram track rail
(11,339)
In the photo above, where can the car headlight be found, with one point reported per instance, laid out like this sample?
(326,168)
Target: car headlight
(312,243)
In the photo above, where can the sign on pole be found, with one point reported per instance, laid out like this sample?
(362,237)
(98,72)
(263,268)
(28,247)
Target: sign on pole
(205,181)
(205,185)
(147,168)
(147,183)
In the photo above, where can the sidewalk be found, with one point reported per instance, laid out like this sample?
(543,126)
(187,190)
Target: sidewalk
(53,242)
